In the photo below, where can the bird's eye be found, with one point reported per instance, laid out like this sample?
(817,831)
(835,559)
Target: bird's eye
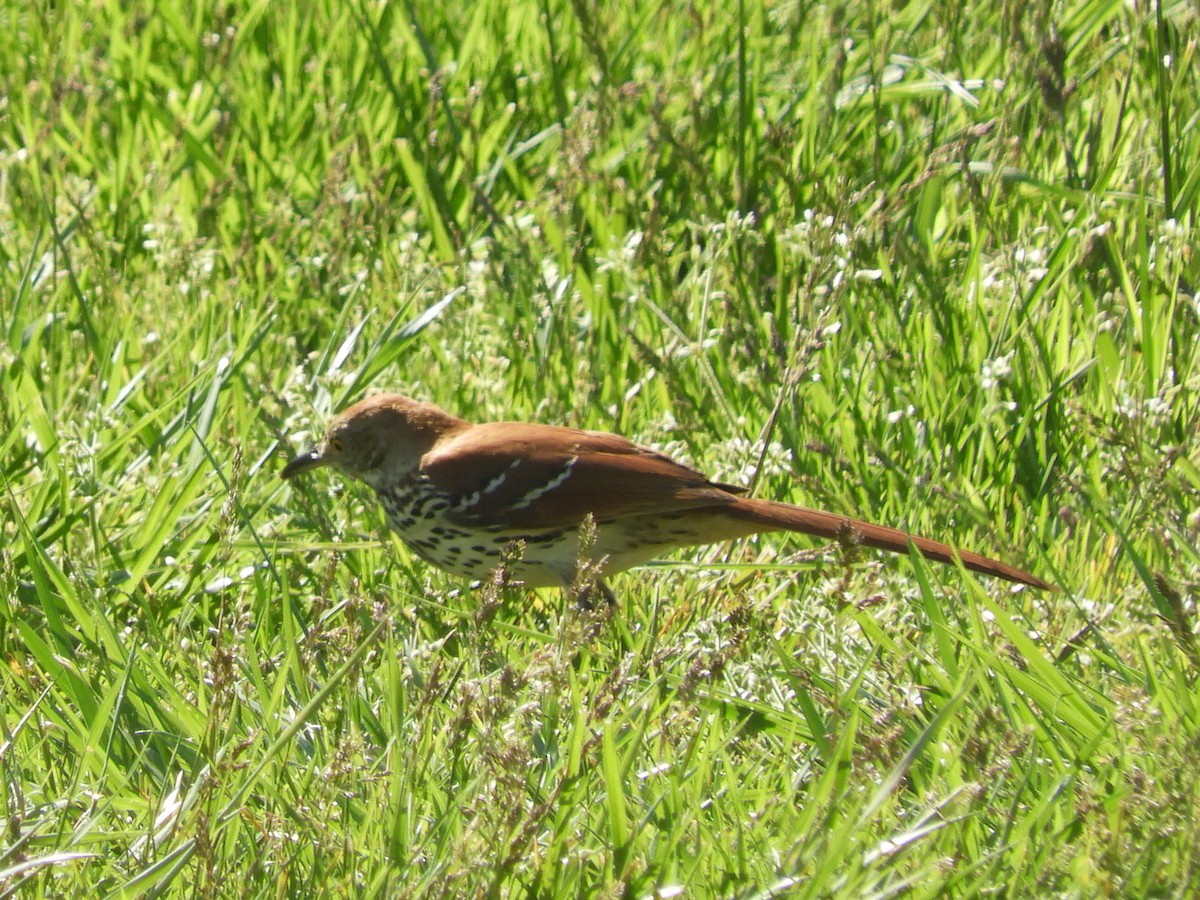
(336,444)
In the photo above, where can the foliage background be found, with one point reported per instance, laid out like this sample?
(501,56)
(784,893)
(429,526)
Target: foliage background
(931,264)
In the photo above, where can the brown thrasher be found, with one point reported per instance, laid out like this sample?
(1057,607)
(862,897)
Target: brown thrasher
(460,495)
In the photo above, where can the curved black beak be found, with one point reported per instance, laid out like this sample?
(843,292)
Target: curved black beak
(309,459)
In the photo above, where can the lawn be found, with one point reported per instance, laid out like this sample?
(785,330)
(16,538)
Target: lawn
(932,265)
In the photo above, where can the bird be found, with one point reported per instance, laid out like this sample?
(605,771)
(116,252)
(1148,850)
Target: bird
(467,498)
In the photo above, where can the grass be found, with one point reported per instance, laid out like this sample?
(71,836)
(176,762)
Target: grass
(929,264)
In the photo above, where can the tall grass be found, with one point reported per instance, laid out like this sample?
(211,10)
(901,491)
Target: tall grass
(931,265)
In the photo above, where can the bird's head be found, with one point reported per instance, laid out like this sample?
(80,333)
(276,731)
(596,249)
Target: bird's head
(379,440)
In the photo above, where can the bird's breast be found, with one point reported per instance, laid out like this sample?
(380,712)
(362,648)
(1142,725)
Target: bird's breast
(422,516)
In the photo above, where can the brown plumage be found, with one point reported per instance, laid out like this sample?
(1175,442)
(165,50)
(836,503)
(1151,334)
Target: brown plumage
(460,495)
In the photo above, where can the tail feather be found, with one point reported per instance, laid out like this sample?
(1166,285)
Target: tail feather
(785,517)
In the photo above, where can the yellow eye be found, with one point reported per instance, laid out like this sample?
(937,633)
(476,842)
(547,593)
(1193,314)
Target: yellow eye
(336,444)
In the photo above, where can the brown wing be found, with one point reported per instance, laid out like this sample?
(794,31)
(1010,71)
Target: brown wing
(542,476)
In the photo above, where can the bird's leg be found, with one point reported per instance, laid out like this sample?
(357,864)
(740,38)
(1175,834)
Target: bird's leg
(583,594)
(588,578)
(492,588)
(511,554)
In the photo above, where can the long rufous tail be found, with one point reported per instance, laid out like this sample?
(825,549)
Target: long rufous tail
(785,517)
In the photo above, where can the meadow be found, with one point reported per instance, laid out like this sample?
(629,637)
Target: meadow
(929,264)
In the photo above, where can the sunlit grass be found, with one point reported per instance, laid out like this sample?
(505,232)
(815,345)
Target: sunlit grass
(929,265)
